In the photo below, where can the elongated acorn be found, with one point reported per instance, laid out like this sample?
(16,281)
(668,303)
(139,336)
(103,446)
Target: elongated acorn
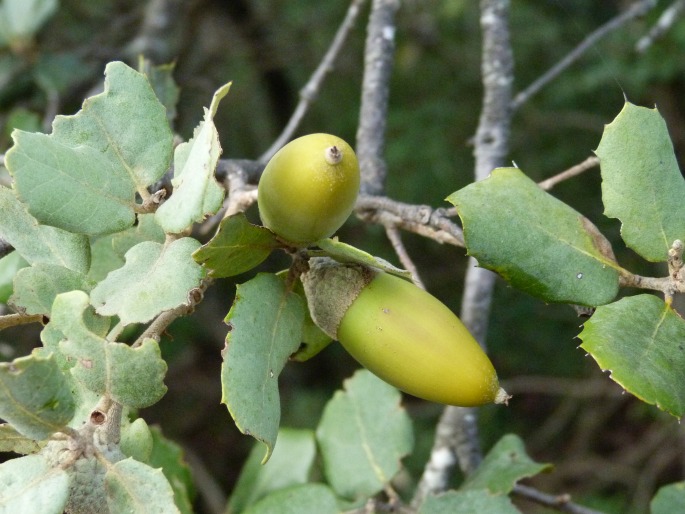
(401,333)
(309,188)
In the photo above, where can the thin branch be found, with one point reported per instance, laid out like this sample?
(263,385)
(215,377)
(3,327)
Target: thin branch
(373,115)
(396,240)
(420,219)
(561,502)
(639,8)
(161,322)
(12,320)
(311,90)
(573,171)
(663,25)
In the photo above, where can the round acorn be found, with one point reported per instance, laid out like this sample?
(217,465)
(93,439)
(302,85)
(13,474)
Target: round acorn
(401,333)
(309,188)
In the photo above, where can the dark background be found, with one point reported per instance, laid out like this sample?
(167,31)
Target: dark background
(610,450)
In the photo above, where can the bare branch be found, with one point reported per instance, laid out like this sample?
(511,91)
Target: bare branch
(573,171)
(396,240)
(420,219)
(561,502)
(639,8)
(310,91)
(378,60)
(12,320)
(663,25)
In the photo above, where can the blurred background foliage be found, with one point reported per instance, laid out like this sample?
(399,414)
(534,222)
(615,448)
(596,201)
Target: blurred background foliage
(609,450)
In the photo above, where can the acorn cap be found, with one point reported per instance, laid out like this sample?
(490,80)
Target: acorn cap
(330,288)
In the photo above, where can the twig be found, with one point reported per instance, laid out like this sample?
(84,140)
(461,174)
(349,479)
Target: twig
(573,171)
(310,91)
(210,490)
(396,240)
(663,25)
(12,320)
(561,502)
(420,219)
(373,114)
(161,322)
(634,11)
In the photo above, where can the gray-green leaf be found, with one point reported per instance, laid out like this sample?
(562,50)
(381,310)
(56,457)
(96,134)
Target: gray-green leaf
(35,397)
(156,277)
(83,177)
(196,192)
(639,340)
(363,435)
(31,486)
(536,242)
(289,465)
(131,376)
(299,499)
(641,183)
(265,328)
(40,243)
(468,502)
(135,488)
(505,464)
(36,287)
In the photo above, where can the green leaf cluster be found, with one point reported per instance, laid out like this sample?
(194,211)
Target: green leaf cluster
(359,444)
(91,258)
(546,248)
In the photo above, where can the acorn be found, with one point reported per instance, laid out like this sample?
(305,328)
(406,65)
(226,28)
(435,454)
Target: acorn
(401,333)
(308,188)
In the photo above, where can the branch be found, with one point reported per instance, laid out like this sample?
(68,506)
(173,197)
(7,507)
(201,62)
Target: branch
(561,502)
(636,10)
(663,25)
(378,59)
(573,171)
(420,219)
(12,320)
(310,91)
(396,240)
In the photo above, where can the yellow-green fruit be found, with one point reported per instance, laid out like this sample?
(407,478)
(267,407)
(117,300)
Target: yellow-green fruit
(401,333)
(308,188)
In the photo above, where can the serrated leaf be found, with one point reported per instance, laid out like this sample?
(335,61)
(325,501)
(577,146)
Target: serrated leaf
(136,488)
(131,376)
(289,465)
(36,287)
(468,502)
(237,247)
(536,242)
(641,183)
(21,19)
(669,499)
(640,341)
(342,252)
(9,267)
(363,435)
(84,176)
(31,486)
(505,464)
(266,323)
(35,397)
(40,244)
(156,277)
(300,499)
(168,455)
(196,193)
(13,441)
